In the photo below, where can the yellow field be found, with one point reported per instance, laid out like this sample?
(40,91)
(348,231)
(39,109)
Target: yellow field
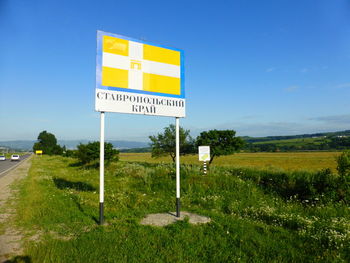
(311,161)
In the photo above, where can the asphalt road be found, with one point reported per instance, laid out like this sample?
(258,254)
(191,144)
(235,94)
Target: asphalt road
(7,165)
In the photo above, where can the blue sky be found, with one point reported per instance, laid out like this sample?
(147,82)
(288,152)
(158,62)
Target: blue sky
(275,67)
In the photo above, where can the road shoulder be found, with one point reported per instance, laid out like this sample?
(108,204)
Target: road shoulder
(10,238)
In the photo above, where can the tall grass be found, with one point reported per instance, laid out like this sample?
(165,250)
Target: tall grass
(289,161)
(58,204)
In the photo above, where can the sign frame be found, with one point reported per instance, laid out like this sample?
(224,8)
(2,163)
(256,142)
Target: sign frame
(138,101)
(204,153)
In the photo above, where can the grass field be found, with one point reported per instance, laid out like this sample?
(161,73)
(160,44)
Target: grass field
(57,208)
(295,141)
(290,161)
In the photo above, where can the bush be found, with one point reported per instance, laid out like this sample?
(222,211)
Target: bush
(343,167)
(87,153)
(69,153)
(308,187)
(343,162)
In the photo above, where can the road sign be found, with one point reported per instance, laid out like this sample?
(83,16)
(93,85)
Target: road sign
(138,77)
(204,153)
(39,152)
(134,76)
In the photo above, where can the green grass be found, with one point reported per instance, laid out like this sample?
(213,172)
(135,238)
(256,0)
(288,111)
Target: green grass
(297,141)
(58,202)
(290,161)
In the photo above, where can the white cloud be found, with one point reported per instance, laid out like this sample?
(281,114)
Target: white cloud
(250,117)
(270,69)
(292,88)
(334,119)
(343,86)
(277,128)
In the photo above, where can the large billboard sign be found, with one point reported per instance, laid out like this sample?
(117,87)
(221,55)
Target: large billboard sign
(134,76)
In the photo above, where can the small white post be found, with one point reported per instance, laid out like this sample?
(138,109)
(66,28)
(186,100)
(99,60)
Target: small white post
(102,164)
(205,168)
(177,138)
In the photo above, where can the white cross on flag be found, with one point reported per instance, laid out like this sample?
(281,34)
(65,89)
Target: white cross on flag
(137,77)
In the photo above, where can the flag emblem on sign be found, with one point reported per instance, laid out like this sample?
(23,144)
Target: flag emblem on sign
(132,65)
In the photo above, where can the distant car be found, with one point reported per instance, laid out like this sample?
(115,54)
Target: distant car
(14,157)
(2,158)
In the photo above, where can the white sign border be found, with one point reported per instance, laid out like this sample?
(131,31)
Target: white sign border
(100,35)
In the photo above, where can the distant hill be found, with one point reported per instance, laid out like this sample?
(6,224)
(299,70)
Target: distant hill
(315,141)
(136,150)
(301,136)
(20,145)
(26,145)
(329,141)
(326,141)
(72,144)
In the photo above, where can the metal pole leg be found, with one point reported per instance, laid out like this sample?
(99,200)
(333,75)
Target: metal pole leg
(102,165)
(177,166)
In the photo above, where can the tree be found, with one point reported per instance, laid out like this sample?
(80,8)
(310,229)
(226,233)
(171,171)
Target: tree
(164,143)
(221,142)
(343,164)
(87,153)
(69,153)
(47,142)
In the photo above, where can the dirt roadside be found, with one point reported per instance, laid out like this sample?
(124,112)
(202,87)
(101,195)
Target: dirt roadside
(10,238)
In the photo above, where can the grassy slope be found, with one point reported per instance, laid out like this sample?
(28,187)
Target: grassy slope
(316,136)
(60,201)
(290,161)
(296,142)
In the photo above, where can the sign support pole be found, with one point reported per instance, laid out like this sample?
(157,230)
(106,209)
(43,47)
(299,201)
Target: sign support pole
(102,164)
(177,124)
